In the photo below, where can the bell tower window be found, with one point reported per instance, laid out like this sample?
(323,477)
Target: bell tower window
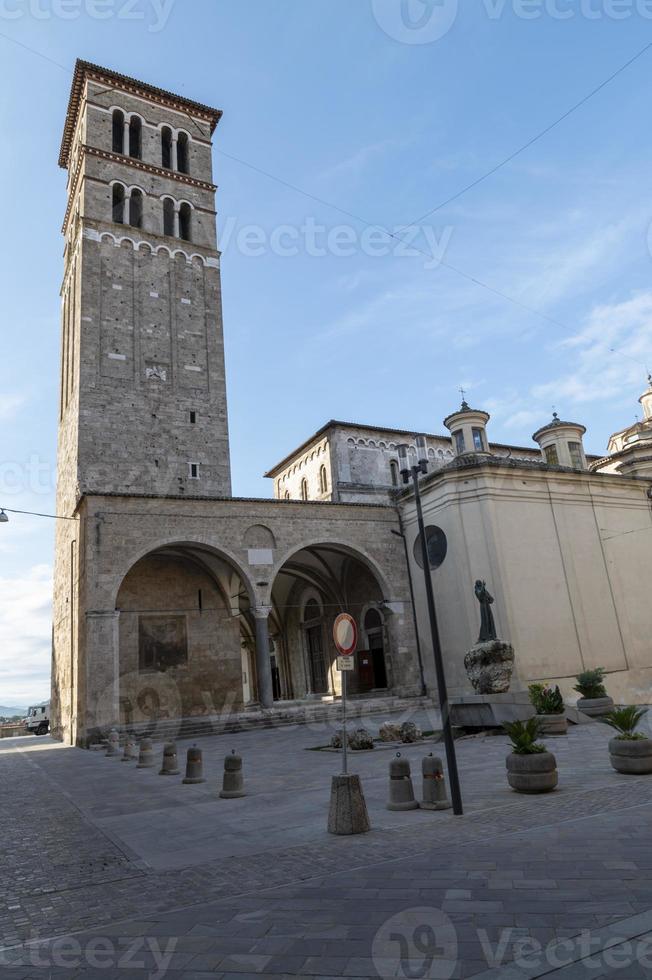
(166,147)
(136,209)
(185,222)
(168,217)
(135,137)
(118,130)
(118,204)
(182,154)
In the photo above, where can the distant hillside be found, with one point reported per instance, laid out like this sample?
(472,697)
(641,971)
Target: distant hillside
(6,712)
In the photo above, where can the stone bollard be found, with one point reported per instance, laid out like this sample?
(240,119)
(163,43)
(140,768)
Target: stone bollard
(170,765)
(401,791)
(113,745)
(434,785)
(146,755)
(194,766)
(130,752)
(232,784)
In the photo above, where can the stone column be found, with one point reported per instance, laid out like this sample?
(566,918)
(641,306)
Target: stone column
(263,666)
(175,153)
(177,222)
(102,707)
(125,139)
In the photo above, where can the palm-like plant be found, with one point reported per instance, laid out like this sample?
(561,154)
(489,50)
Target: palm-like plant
(590,683)
(625,722)
(523,736)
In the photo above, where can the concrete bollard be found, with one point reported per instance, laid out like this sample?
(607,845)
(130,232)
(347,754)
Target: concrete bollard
(130,751)
(233,783)
(347,813)
(146,755)
(434,785)
(113,745)
(401,791)
(170,766)
(194,766)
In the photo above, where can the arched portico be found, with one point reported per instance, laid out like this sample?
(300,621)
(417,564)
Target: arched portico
(186,623)
(311,587)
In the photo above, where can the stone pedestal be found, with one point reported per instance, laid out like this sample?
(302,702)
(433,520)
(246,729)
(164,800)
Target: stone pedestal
(490,666)
(348,810)
(490,710)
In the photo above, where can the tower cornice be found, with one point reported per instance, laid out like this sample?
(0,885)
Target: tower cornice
(135,164)
(84,71)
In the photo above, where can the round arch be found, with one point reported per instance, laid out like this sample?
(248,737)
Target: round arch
(191,544)
(346,549)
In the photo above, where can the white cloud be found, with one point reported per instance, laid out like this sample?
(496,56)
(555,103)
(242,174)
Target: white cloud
(599,374)
(355,164)
(9,405)
(593,374)
(25,636)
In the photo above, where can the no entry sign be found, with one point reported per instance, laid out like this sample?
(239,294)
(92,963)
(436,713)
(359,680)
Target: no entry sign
(345,635)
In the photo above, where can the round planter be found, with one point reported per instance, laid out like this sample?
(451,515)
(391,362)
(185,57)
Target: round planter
(535,773)
(594,707)
(633,757)
(553,724)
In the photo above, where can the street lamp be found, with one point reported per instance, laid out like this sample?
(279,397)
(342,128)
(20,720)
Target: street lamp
(3,517)
(416,471)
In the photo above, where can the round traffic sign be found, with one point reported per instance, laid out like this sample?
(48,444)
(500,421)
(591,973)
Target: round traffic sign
(345,634)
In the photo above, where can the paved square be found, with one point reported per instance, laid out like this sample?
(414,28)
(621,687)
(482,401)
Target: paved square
(118,872)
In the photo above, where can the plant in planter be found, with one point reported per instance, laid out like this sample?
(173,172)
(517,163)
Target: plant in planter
(549,705)
(530,767)
(629,751)
(594,700)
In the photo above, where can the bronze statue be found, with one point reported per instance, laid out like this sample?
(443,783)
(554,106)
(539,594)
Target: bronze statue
(487,625)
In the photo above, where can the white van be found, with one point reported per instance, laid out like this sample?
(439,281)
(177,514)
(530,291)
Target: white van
(38,719)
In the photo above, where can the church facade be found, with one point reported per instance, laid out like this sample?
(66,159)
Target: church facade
(173,599)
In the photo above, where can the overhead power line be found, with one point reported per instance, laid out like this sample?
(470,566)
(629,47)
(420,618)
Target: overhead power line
(392,235)
(534,139)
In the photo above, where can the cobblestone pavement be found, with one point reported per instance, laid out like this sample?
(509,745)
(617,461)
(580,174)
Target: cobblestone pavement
(575,863)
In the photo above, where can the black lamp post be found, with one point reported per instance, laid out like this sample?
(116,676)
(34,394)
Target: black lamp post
(449,742)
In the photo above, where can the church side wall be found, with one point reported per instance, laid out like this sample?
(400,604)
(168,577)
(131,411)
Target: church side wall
(567,559)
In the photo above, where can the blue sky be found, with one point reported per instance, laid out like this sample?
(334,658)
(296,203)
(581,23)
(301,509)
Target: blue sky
(384,119)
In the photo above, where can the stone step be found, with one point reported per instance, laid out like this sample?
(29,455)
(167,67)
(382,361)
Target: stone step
(293,714)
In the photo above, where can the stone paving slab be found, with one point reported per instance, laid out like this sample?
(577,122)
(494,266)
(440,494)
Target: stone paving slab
(544,868)
(328,926)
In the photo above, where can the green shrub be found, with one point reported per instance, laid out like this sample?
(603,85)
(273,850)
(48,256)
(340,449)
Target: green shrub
(590,683)
(625,721)
(523,736)
(546,700)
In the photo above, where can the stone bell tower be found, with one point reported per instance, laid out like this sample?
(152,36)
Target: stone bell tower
(142,399)
(142,404)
